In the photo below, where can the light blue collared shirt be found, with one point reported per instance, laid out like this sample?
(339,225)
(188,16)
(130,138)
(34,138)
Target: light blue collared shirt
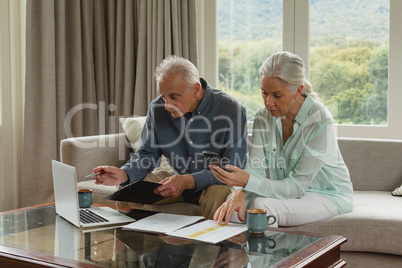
(310,160)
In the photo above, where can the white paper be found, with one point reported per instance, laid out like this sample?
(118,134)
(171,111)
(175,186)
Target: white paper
(162,223)
(209,231)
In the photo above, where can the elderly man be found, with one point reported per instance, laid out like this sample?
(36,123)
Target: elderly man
(188,117)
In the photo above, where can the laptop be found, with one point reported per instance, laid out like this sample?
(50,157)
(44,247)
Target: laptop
(67,205)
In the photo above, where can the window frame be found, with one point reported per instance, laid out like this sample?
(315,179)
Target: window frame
(296,40)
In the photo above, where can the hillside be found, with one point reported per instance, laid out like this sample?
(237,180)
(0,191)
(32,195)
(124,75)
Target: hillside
(328,18)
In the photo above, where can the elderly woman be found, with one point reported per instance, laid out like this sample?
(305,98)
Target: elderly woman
(295,170)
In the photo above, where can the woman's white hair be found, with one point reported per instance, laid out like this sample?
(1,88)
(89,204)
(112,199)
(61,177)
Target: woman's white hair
(289,68)
(177,65)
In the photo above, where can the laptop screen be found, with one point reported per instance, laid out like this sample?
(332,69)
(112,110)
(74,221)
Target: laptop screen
(66,192)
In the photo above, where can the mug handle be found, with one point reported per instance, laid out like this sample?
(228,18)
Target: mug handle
(271,243)
(268,219)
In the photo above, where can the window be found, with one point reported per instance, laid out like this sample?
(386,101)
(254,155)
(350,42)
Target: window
(302,35)
(349,44)
(248,32)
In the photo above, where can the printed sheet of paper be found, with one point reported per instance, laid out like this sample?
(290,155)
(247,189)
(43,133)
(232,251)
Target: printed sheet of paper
(162,223)
(209,231)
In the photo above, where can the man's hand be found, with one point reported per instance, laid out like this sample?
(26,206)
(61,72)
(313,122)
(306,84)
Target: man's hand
(236,202)
(111,175)
(174,185)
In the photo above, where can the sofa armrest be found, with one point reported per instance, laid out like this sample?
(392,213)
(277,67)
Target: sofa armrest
(85,153)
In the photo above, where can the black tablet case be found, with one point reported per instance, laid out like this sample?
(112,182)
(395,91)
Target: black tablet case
(138,192)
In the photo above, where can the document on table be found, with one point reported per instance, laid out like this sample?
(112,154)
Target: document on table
(209,231)
(162,223)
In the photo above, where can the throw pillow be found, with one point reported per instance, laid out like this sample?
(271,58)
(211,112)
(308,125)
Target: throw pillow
(132,127)
(397,191)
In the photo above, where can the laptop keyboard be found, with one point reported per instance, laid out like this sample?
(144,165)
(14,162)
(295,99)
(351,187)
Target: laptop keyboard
(88,216)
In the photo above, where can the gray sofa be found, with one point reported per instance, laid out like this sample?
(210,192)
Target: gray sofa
(373,229)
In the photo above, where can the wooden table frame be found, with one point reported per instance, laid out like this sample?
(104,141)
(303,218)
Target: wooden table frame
(323,253)
(326,252)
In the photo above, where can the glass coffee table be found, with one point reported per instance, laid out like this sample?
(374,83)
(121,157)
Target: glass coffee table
(37,237)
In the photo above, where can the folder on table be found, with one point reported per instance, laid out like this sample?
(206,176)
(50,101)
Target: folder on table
(138,192)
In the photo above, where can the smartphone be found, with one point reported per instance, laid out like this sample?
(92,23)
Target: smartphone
(214,158)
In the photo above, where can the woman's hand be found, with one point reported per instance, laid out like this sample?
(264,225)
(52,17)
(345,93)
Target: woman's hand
(236,202)
(236,176)
(110,175)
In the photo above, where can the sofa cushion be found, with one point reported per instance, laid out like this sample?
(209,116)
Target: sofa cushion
(374,165)
(86,153)
(376,214)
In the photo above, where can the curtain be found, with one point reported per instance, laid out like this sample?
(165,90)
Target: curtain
(88,63)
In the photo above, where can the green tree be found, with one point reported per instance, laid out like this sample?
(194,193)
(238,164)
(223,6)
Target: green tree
(341,76)
(375,102)
(239,62)
(348,105)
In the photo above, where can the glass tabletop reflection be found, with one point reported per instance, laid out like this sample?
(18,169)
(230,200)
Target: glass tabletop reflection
(41,230)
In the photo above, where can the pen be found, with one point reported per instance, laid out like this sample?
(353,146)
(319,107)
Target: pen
(94,174)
